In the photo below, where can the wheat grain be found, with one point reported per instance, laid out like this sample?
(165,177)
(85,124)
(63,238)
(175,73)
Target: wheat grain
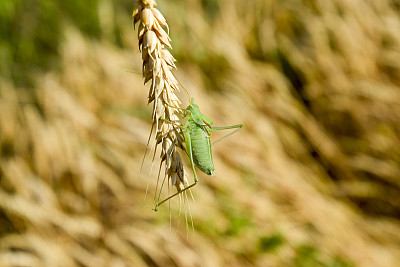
(157,68)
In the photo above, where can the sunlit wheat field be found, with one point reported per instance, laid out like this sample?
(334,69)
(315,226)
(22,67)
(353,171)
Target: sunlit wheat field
(312,179)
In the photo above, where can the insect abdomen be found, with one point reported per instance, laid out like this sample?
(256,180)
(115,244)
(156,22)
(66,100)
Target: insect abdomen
(201,150)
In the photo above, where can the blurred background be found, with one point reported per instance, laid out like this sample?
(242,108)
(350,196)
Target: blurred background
(313,178)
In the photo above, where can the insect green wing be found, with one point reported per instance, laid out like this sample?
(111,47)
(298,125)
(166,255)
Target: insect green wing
(201,146)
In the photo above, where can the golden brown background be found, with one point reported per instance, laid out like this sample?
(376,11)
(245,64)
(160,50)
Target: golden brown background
(313,178)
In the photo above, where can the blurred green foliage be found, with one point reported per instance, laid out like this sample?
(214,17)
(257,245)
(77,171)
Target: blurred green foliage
(237,221)
(212,7)
(309,256)
(271,243)
(32,32)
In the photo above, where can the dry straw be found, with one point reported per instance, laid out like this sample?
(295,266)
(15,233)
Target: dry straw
(157,68)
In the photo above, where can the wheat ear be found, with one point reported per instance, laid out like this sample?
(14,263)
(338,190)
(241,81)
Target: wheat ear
(157,68)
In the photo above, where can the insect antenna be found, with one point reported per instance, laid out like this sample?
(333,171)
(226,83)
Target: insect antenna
(186,91)
(144,156)
(147,147)
(161,186)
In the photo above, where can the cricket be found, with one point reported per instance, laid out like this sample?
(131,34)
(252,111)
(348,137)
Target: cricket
(197,131)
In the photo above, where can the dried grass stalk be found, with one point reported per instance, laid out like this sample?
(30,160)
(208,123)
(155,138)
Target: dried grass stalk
(157,68)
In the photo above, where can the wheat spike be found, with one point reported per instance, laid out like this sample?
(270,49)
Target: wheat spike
(157,68)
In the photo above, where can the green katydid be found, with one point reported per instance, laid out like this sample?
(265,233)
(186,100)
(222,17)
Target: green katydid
(197,131)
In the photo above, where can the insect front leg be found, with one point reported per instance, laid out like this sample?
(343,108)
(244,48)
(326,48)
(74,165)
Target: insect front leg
(172,122)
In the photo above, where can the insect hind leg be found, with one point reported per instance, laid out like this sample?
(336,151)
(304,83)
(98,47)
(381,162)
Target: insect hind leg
(196,180)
